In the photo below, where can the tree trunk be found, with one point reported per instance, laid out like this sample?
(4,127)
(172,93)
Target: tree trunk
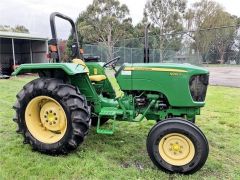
(161,48)
(221,53)
(222,57)
(110,46)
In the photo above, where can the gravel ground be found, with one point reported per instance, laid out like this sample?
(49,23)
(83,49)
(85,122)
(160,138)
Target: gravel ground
(225,76)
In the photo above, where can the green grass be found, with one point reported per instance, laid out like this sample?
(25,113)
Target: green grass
(122,155)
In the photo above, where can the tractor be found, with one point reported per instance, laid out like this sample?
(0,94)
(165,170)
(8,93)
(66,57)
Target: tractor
(55,111)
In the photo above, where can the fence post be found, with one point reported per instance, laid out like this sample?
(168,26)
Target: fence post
(131,54)
(1,69)
(124,46)
(199,61)
(101,53)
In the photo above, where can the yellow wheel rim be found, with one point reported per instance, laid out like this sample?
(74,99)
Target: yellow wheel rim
(176,149)
(45,119)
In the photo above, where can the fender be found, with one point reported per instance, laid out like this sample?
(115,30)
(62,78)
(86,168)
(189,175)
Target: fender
(68,68)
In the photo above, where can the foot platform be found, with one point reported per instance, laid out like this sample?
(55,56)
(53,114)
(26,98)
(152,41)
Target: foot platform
(112,113)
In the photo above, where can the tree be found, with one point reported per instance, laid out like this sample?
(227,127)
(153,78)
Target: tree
(206,15)
(199,17)
(105,21)
(224,38)
(5,28)
(200,11)
(167,15)
(18,28)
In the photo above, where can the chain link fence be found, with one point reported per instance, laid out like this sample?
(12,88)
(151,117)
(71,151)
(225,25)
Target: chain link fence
(209,46)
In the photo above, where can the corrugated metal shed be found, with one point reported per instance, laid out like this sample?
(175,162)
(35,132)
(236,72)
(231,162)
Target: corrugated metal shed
(20,48)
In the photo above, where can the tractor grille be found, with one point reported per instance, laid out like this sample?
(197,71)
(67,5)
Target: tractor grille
(198,87)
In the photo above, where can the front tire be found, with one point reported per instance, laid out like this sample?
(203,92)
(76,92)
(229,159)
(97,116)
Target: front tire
(52,116)
(177,146)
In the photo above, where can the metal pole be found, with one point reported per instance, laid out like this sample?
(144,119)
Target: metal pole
(146,47)
(131,55)
(124,46)
(30,49)
(13,53)
(47,52)
(46,44)
(101,51)
(0,49)
(1,69)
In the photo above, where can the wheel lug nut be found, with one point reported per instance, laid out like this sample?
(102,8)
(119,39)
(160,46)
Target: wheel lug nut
(55,118)
(50,111)
(54,114)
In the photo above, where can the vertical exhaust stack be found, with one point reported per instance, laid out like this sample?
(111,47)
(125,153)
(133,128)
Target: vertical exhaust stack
(146,47)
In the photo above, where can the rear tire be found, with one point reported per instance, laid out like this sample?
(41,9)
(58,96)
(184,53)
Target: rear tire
(62,130)
(177,146)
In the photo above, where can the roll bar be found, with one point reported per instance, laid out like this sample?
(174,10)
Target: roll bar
(54,40)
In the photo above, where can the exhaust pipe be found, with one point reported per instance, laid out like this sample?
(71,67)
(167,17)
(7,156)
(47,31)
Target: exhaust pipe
(146,47)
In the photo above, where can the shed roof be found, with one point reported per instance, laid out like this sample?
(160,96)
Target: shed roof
(16,35)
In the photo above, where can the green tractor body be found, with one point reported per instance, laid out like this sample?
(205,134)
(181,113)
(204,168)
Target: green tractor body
(175,90)
(170,94)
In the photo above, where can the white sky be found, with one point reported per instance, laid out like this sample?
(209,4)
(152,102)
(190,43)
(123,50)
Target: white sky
(34,14)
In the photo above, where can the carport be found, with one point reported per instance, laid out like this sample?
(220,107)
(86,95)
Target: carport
(20,48)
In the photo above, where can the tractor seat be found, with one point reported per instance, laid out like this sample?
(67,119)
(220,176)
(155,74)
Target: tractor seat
(97,78)
(94,78)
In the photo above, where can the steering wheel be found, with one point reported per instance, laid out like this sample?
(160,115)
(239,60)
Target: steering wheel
(112,63)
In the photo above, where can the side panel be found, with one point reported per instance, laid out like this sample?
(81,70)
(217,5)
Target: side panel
(174,87)
(170,79)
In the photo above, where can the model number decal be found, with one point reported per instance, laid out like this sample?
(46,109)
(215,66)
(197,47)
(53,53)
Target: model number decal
(175,74)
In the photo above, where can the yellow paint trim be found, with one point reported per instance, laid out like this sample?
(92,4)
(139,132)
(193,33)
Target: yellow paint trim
(176,149)
(153,69)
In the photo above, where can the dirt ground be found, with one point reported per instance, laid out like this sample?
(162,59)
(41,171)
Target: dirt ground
(225,76)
